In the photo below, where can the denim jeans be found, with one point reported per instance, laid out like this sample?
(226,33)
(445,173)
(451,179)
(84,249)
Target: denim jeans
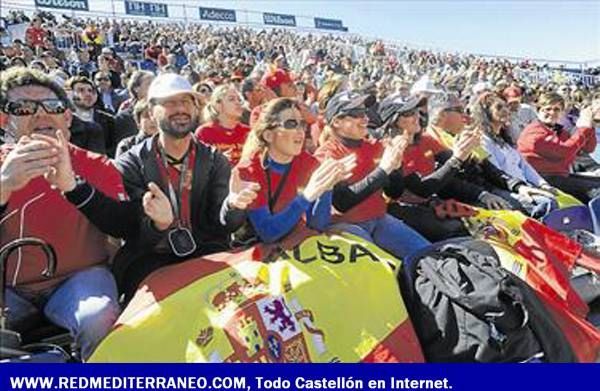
(389,233)
(86,304)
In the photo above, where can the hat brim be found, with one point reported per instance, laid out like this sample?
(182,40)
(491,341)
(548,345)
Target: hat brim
(387,114)
(428,91)
(173,93)
(358,102)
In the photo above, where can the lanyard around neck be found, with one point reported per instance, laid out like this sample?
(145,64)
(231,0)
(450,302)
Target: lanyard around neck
(272,198)
(175,198)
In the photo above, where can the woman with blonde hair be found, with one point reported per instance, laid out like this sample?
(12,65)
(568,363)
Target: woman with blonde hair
(295,190)
(331,87)
(223,128)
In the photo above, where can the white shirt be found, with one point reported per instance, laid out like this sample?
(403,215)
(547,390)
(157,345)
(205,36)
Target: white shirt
(509,160)
(520,119)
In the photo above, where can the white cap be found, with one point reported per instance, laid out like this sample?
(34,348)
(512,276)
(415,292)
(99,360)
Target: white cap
(166,85)
(481,86)
(424,84)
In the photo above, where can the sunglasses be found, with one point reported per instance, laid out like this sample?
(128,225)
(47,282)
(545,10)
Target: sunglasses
(30,107)
(458,110)
(292,124)
(354,113)
(409,113)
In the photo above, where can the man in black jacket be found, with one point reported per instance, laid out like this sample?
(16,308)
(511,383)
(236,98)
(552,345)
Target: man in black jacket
(85,101)
(182,204)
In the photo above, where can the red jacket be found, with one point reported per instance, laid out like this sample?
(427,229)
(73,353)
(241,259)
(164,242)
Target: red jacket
(552,152)
(39,211)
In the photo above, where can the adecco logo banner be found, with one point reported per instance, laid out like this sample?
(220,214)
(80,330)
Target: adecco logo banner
(217,14)
(279,19)
(75,5)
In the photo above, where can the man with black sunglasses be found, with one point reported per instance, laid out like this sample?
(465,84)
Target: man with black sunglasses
(110,98)
(82,296)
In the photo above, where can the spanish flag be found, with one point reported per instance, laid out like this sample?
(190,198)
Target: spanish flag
(329,299)
(544,259)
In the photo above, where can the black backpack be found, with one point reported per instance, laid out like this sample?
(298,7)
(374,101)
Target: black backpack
(466,308)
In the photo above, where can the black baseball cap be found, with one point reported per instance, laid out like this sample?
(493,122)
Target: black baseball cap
(397,104)
(346,101)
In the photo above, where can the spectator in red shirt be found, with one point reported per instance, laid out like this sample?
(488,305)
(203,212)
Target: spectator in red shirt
(35,33)
(223,128)
(360,199)
(256,93)
(428,171)
(82,296)
(551,149)
(294,189)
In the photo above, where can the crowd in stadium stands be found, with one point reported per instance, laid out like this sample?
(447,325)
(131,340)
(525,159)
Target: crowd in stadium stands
(173,137)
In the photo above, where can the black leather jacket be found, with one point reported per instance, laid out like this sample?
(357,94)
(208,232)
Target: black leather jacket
(144,250)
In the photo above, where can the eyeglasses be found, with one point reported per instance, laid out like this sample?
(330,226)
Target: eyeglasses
(555,109)
(172,103)
(458,110)
(27,107)
(354,113)
(102,79)
(293,124)
(409,113)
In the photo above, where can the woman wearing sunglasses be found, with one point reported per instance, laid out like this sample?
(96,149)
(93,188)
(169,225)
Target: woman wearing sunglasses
(428,170)
(295,190)
(223,128)
(359,201)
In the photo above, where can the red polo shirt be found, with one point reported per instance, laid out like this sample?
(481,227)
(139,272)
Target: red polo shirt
(38,210)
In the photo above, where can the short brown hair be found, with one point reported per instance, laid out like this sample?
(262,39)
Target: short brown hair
(22,77)
(550,98)
(70,84)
